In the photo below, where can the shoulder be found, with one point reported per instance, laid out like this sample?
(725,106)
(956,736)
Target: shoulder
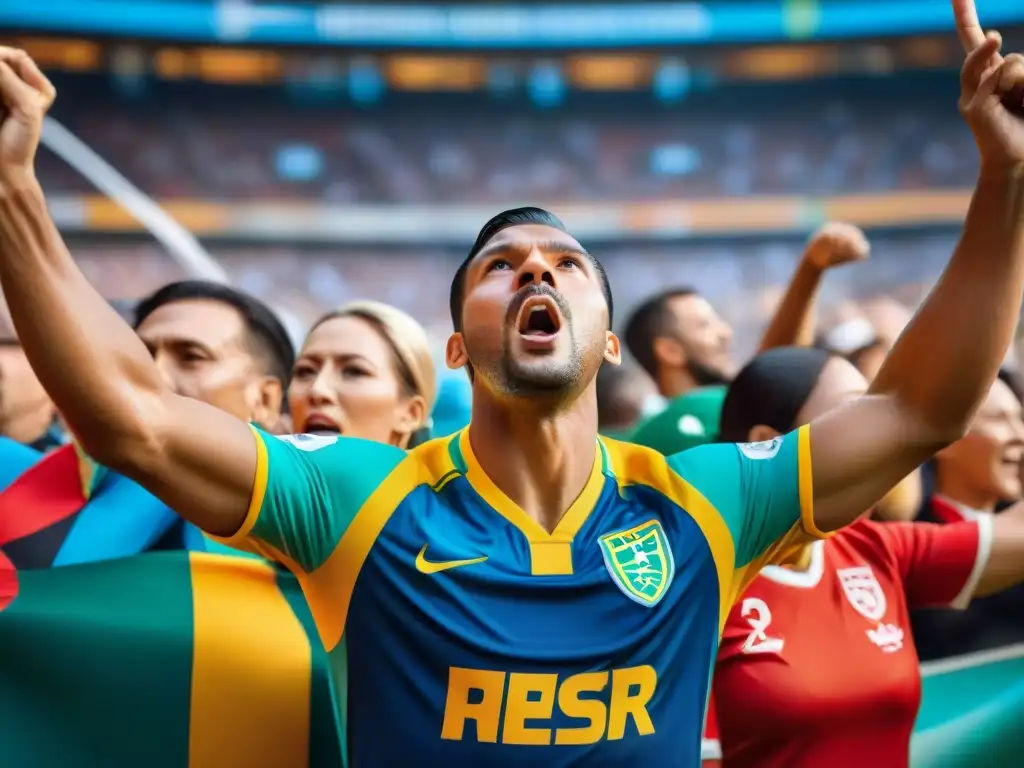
(633,464)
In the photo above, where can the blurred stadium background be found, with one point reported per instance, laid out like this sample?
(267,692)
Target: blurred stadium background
(324,153)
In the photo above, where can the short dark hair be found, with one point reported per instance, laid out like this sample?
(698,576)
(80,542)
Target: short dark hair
(650,320)
(266,336)
(513,218)
(771,390)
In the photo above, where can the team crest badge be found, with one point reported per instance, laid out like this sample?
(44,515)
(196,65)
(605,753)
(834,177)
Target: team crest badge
(863,591)
(639,561)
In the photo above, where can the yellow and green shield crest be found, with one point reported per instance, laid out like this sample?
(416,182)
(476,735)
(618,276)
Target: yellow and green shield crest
(640,561)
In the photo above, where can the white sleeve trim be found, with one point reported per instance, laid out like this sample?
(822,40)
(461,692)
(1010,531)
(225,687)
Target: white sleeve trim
(710,749)
(984,523)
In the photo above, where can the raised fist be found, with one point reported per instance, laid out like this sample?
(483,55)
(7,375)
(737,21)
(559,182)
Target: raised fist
(26,95)
(991,91)
(836,243)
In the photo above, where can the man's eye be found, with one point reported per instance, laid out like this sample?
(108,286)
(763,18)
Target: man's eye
(570,262)
(501,264)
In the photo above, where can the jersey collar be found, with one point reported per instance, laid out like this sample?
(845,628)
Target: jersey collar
(550,553)
(804,579)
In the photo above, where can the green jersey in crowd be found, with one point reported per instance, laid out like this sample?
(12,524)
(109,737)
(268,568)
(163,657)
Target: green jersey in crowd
(687,421)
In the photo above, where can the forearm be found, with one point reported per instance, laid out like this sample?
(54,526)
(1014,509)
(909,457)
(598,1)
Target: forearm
(93,365)
(946,359)
(793,321)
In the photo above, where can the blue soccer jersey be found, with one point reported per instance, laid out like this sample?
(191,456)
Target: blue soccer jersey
(462,633)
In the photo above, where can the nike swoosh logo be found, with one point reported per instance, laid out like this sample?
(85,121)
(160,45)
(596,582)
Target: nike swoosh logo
(425,566)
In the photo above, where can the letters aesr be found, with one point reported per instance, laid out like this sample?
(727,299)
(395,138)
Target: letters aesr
(499,705)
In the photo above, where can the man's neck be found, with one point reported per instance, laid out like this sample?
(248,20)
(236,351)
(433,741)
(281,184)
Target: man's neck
(541,461)
(675,383)
(957,489)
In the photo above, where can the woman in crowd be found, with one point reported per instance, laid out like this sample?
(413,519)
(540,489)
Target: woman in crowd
(817,665)
(365,370)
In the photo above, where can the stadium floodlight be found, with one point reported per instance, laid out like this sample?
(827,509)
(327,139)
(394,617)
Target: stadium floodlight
(181,245)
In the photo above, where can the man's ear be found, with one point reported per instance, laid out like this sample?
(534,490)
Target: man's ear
(669,353)
(265,397)
(455,355)
(411,415)
(612,349)
(761,433)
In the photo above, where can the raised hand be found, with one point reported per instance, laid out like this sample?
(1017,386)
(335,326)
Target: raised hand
(991,91)
(26,95)
(835,244)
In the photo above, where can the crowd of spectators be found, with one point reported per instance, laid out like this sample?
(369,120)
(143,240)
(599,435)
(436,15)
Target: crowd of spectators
(228,144)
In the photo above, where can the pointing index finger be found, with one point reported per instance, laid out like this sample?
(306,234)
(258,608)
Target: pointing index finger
(967,26)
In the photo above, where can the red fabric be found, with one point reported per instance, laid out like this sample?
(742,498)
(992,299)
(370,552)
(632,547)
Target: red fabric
(45,494)
(8,581)
(827,674)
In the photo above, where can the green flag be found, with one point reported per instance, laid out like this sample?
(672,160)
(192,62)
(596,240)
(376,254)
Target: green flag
(164,660)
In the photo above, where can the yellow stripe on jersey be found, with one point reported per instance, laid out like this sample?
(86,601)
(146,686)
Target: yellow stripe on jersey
(259,491)
(807,484)
(550,553)
(250,702)
(329,588)
(636,465)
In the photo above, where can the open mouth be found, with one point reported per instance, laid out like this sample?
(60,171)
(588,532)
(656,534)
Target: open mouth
(318,424)
(539,318)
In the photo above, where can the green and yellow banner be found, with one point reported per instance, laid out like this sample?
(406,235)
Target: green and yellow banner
(204,660)
(164,660)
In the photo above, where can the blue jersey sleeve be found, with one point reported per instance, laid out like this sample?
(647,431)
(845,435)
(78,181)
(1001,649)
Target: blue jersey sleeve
(307,491)
(762,491)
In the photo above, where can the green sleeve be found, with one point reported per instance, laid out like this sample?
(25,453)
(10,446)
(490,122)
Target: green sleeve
(756,488)
(308,489)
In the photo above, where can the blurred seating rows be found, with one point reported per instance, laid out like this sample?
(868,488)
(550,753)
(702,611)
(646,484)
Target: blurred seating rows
(200,142)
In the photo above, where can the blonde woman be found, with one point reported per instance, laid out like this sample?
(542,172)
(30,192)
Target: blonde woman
(365,371)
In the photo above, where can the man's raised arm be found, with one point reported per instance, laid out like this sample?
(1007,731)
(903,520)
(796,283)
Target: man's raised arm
(944,362)
(198,459)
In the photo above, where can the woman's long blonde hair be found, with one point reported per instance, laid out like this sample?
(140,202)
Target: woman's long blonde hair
(408,342)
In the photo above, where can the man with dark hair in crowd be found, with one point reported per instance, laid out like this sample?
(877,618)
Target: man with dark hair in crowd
(210,342)
(219,345)
(686,347)
(681,341)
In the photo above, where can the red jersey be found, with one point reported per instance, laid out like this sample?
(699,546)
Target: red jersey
(818,668)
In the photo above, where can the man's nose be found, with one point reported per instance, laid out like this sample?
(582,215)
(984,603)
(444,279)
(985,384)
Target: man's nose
(535,270)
